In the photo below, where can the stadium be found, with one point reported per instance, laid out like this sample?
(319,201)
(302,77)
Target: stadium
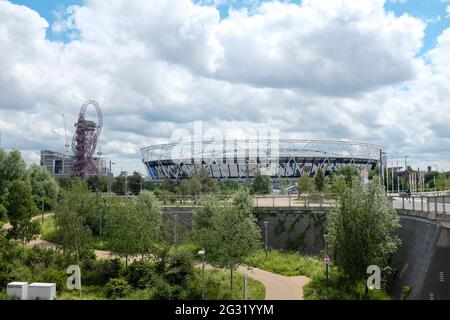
(241,159)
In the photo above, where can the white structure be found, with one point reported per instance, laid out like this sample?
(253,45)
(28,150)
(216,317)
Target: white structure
(242,158)
(41,291)
(17,290)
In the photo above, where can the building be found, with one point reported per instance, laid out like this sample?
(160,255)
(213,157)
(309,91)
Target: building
(241,159)
(60,165)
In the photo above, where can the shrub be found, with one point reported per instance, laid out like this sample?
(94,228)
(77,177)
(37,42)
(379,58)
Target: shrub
(53,275)
(117,288)
(139,274)
(101,271)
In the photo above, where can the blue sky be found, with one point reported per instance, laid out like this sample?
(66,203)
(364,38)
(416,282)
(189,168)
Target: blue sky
(249,73)
(427,10)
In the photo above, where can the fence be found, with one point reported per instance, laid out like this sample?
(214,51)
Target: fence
(437,204)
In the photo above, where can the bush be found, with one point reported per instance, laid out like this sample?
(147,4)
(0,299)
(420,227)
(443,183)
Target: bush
(101,271)
(117,288)
(139,274)
(53,275)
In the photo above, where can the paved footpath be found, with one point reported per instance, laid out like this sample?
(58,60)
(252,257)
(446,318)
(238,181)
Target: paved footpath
(278,287)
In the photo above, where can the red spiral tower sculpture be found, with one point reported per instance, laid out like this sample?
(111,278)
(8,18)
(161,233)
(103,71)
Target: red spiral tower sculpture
(84,141)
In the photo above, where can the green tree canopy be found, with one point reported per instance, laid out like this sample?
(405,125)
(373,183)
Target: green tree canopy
(305,185)
(319,180)
(12,167)
(44,187)
(361,229)
(349,172)
(135,183)
(120,185)
(21,208)
(133,226)
(228,236)
(262,184)
(71,215)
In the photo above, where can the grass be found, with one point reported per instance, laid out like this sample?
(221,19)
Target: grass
(287,263)
(294,264)
(217,287)
(89,293)
(47,229)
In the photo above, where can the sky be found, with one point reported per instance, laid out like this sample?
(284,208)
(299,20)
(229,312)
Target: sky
(375,71)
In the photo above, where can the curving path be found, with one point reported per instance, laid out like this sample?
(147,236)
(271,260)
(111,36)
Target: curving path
(278,287)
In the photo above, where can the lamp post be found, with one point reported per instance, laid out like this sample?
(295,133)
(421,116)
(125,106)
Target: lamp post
(327,258)
(175,240)
(42,210)
(201,253)
(109,176)
(266,224)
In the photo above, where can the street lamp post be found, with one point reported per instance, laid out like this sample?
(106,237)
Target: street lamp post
(202,254)
(42,210)
(175,240)
(266,224)
(109,176)
(326,260)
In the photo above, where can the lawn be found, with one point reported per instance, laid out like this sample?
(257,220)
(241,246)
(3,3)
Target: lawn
(47,229)
(294,264)
(287,263)
(217,287)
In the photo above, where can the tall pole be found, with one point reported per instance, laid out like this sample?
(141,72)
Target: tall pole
(109,178)
(398,178)
(42,210)
(326,262)
(202,254)
(266,223)
(203,276)
(392,178)
(175,240)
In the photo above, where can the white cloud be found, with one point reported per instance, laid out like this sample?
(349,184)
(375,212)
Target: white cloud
(323,69)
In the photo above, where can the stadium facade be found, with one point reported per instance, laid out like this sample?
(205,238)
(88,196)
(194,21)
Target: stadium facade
(241,159)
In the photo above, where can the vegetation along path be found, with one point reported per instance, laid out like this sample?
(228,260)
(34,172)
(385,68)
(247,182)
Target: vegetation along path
(278,287)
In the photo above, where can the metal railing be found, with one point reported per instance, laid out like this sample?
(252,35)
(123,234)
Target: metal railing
(309,201)
(436,204)
(260,201)
(439,204)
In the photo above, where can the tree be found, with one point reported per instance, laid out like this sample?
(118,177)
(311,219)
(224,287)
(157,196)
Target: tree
(72,232)
(98,183)
(338,184)
(228,236)
(44,187)
(21,208)
(135,183)
(149,220)
(319,180)
(305,185)
(205,183)
(120,185)
(349,172)
(361,229)
(133,226)
(12,167)
(442,182)
(262,184)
